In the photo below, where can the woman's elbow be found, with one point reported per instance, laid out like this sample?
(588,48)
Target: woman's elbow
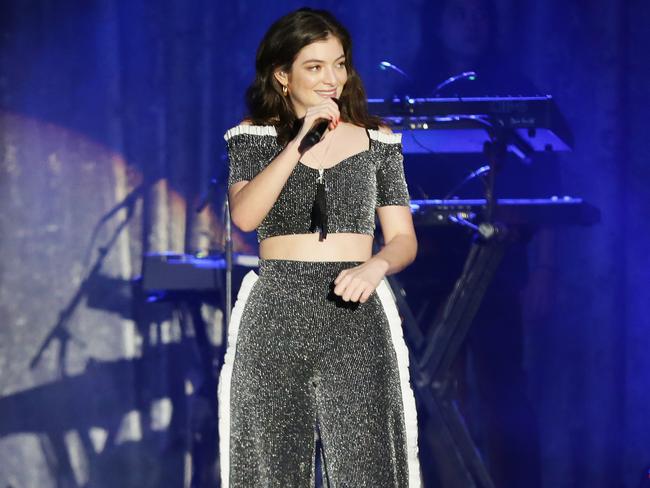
(242,220)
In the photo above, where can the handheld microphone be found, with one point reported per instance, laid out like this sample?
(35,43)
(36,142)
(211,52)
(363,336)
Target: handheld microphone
(314,135)
(316,132)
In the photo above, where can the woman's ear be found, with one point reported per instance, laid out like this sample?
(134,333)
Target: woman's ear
(281,76)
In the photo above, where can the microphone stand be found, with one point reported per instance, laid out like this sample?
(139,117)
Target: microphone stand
(206,200)
(228,249)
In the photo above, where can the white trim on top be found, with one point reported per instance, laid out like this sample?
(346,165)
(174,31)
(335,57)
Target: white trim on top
(385,137)
(256,130)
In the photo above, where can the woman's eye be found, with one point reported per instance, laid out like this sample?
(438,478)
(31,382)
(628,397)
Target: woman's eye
(313,68)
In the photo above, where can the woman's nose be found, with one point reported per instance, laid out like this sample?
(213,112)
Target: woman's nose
(330,76)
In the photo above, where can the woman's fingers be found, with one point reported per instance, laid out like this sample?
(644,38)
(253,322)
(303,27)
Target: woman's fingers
(358,283)
(350,289)
(342,284)
(340,276)
(326,110)
(356,293)
(365,295)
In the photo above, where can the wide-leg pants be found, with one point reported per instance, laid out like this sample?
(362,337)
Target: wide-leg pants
(301,361)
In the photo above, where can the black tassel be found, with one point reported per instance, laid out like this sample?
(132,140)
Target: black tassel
(319,208)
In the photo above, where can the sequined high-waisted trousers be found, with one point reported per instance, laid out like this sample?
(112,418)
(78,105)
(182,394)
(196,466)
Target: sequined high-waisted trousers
(300,362)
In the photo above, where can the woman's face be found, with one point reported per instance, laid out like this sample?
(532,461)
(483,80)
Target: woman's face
(317,73)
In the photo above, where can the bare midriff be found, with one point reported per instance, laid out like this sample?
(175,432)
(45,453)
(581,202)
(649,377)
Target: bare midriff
(307,247)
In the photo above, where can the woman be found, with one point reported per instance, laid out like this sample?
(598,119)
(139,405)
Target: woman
(315,347)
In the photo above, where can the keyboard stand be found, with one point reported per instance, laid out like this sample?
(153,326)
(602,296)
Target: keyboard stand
(456,457)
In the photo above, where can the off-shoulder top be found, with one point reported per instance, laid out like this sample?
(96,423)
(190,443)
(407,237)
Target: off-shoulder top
(354,187)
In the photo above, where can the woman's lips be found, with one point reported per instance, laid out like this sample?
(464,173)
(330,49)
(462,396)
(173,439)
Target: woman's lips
(327,94)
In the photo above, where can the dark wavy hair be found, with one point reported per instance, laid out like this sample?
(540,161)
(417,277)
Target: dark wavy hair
(279,49)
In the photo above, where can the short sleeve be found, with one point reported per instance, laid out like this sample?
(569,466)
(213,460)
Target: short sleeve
(391,183)
(250,148)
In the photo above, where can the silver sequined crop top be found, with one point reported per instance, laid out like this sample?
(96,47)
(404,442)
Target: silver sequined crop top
(354,187)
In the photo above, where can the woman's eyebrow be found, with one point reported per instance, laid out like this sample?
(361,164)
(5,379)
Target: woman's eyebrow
(320,60)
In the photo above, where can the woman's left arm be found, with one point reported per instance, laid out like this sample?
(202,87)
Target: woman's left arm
(358,283)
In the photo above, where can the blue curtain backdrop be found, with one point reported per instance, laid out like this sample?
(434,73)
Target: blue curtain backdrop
(108,102)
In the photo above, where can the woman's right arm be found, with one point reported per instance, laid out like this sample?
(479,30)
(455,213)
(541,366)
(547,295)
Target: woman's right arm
(251,201)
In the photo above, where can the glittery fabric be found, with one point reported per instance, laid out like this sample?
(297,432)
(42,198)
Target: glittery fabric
(306,361)
(354,187)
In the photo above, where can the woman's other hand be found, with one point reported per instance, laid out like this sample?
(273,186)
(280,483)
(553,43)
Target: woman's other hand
(358,283)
